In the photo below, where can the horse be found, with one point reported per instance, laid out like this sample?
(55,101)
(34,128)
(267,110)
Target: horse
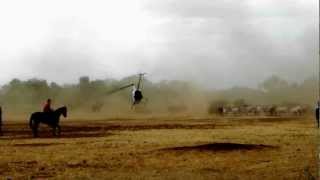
(96,107)
(50,118)
(251,110)
(0,121)
(282,110)
(271,110)
(297,110)
(220,110)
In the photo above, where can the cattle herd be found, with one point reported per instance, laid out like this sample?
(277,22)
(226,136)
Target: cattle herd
(264,110)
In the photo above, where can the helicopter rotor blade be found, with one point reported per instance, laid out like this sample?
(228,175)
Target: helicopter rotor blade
(120,88)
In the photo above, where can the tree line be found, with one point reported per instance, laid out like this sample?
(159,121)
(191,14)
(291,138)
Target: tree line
(29,95)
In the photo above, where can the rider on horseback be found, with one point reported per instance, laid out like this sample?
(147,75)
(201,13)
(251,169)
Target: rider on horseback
(0,121)
(47,106)
(318,114)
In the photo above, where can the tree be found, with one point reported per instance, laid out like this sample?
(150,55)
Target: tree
(240,102)
(274,83)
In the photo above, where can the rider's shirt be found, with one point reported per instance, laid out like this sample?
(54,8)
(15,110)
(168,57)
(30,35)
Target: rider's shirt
(47,108)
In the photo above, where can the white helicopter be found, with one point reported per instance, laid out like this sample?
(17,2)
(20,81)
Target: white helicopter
(136,90)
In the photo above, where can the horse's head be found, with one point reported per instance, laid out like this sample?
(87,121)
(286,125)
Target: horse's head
(63,111)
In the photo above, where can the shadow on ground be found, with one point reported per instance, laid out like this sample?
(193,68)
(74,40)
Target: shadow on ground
(22,131)
(46,132)
(221,147)
(36,144)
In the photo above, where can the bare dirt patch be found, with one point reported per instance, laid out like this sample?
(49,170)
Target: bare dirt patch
(222,148)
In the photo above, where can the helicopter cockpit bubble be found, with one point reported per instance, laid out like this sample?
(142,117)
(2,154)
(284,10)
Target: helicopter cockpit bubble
(136,95)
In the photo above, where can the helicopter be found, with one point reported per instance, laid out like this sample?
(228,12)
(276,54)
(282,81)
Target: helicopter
(136,94)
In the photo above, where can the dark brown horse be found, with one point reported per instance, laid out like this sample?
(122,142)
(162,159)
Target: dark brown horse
(50,118)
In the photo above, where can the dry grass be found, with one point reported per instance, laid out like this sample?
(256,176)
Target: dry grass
(163,148)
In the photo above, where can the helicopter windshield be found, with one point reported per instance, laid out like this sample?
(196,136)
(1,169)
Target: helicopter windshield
(133,92)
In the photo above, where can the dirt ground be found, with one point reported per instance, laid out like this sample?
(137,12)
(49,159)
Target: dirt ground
(162,148)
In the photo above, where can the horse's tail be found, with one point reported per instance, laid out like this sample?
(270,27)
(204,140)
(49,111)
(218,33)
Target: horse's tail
(31,121)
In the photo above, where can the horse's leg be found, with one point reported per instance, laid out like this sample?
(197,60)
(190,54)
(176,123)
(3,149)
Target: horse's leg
(54,130)
(35,129)
(59,130)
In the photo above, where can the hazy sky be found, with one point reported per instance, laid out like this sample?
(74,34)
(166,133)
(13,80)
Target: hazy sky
(221,43)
